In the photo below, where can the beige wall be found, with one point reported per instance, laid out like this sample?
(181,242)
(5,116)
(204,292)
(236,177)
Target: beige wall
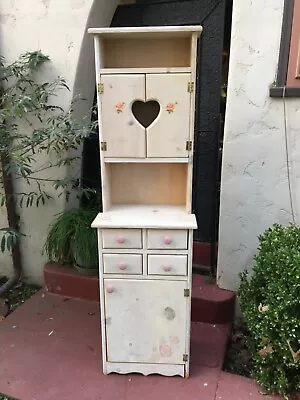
(255,192)
(58,29)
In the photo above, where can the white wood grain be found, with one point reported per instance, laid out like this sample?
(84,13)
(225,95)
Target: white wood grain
(167,264)
(145,369)
(188,303)
(153,70)
(122,238)
(122,263)
(146,217)
(148,277)
(151,334)
(153,31)
(167,239)
(146,160)
(124,136)
(157,309)
(102,309)
(168,134)
(189,189)
(147,251)
(99,60)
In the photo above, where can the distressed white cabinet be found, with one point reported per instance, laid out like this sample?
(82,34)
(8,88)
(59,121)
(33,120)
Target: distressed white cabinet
(145,80)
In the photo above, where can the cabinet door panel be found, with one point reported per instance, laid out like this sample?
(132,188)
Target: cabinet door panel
(124,135)
(167,135)
(145,320)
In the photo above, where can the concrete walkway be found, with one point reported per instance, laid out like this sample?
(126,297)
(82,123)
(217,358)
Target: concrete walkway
(50,349)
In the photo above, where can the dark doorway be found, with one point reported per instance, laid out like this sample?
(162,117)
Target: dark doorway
(215,17)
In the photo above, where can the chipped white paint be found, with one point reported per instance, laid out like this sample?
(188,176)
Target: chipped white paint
(144,232)
(145,321)
(58,29)
(254,191)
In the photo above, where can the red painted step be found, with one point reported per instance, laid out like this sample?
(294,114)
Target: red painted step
(209,303)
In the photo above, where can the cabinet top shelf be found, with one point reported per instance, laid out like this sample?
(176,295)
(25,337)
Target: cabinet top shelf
(152,70)
(173,31)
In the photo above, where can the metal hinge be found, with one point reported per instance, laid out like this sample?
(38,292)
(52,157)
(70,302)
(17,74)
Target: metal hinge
(100,88)
(103,146)
(186,292)
(189,145)
(190,87)
(185,357)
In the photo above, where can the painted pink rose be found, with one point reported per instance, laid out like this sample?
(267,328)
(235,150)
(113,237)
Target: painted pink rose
(165,350)
(170,107)
(120,106)
(174,339)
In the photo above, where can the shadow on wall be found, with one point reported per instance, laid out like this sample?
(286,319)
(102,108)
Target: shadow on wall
(100,15)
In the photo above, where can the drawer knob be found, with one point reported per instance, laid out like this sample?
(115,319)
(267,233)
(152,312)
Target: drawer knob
(122,266)
(109,289)
(167,240)
(167,268)
(120,239)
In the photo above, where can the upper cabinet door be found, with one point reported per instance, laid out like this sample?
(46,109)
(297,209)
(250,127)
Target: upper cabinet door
(123,134)
(167,135)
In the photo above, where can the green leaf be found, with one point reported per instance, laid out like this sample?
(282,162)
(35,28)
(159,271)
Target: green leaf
(3,243)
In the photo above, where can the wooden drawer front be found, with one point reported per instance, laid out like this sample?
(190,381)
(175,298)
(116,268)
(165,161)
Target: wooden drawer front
(161,264)
(122,238)
(167,239)
(122,263)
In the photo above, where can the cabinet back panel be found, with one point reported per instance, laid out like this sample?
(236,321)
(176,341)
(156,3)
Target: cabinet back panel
(137,183)
(146,53)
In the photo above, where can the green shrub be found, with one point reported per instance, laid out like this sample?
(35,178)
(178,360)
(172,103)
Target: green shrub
(270,303)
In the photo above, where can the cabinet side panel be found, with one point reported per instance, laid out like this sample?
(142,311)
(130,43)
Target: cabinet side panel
(194,43)
(188,304)
(102,308)
(98,46)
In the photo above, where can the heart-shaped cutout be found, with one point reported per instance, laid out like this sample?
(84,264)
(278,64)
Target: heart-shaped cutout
(145,112)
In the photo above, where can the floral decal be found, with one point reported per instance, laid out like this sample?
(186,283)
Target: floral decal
(165,350)
(120,106)
(170,107)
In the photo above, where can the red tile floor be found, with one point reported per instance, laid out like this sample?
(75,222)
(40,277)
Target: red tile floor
(50,349)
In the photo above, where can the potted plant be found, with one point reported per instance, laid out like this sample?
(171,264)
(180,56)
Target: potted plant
(72,240)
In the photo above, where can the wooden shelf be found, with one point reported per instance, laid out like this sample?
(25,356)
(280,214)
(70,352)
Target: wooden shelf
(110,160)
(143,216)
(154,70)
(144,32)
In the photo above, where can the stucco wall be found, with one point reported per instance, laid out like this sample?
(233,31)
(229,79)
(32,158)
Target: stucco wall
(58,29)
(255,191)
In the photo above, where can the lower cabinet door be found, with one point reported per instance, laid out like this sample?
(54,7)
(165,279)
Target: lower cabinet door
(145,320)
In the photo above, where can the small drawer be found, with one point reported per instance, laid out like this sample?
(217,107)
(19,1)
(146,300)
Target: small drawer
(122,238)
(122,264)
(161,264)
(167,239)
